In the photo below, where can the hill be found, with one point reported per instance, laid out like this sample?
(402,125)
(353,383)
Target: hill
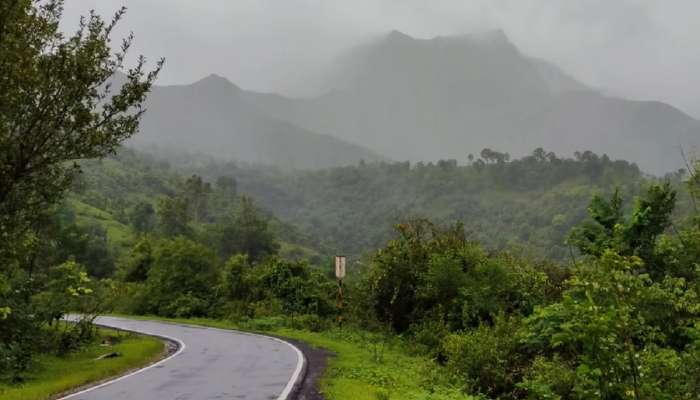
(120,199)
(211,116)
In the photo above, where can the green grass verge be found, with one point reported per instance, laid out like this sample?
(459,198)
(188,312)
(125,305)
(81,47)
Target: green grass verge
(51,375)
(365,366)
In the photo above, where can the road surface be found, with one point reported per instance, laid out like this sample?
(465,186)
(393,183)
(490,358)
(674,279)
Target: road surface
(209,364)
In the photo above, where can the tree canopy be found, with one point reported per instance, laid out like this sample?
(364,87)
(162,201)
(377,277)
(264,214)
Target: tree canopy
(63,98)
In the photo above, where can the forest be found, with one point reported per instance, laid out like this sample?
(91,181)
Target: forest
(531,202)
(541,277)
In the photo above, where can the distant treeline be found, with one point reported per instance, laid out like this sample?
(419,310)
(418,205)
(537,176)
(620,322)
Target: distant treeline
(530,202)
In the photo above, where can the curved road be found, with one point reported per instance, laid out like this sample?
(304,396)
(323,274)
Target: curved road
(210,364)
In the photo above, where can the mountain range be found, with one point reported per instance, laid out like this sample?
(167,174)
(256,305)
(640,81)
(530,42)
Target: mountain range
(403,98)
(212,117)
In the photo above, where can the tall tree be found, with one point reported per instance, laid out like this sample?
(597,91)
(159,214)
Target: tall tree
(57,103)
(635,236)
(247,232)
(197,192)
(173,216)
(57,106)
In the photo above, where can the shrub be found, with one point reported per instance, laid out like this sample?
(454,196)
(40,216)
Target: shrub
(186,305)
(429,335)
(298,288)
(181,278)
(549,379)
(487,359)
(613,325)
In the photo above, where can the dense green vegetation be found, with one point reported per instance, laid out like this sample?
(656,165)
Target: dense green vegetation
(498,323)
(612,321)
(133,194)
(53,374)
(620,323)
(530,203)
(565,279)
(56,107)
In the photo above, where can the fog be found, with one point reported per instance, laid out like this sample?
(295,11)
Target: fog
(635,49)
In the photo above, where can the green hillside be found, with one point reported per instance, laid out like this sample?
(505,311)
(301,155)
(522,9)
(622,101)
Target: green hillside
(529,203)
(120,197)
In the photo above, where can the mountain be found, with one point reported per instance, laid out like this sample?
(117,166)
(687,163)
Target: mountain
(212,116)
(447,97)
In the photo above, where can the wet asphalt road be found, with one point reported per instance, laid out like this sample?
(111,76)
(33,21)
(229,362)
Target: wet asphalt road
(212,364)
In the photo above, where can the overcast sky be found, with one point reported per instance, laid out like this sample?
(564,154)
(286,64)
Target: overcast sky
(637,49)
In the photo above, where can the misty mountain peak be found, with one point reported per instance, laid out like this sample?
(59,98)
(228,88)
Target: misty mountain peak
(493,36)
(216,82)
(399,37)
(493,39)
(496,40)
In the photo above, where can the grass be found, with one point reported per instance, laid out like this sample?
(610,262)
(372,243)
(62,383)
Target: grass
(120,236)
(365,366)
(51,375)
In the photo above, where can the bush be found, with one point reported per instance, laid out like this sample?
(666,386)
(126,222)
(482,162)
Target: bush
(181,279)
(75,336)
(14,359)
(501,284)
(613,325)
(487,359)
(549,379)
(298,288)
(129,298)
(429,335)
(186,305)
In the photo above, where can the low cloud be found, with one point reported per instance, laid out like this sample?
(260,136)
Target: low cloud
(637,49)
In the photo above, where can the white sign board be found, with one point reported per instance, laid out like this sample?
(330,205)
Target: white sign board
(340,267)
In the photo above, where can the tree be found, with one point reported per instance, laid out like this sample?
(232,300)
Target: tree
(143,217)
(227,185)
(494,156)
(613,326)
(57,106)
(256,237)
(650,216)
(593,238)
(173,216)
(487,155)
(181,278)
(135,268)
(539,154)
(247,232)
(398,273)
(197,192)
(233,285)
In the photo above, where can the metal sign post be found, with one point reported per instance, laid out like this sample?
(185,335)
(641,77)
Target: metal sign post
(339,275)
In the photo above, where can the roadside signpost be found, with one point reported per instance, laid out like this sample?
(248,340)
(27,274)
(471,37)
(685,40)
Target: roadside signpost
(339,275)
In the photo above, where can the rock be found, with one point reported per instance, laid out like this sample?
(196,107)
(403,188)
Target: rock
(109,355)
